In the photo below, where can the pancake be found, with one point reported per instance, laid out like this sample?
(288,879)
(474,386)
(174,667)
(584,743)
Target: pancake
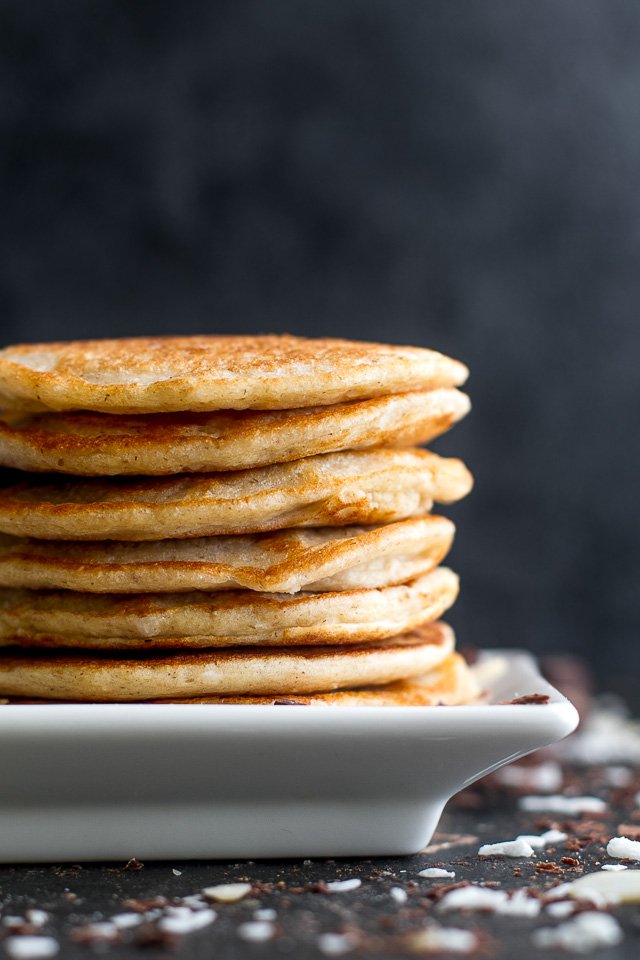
(273,672)
(224,619)
(450,683)
(95,444)
(203,373)
(332,489)
(316,559)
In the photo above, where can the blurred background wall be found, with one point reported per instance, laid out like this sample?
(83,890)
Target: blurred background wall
(463,176)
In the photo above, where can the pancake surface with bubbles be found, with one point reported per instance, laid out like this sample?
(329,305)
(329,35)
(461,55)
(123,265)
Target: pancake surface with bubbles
(203,373)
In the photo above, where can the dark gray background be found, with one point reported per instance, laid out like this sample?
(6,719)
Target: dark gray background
(463,176)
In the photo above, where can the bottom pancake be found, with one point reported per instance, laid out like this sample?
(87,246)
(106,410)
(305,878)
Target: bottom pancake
(450,683)
(271,672)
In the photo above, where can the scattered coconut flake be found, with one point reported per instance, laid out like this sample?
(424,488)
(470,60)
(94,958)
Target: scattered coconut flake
(181,924)
(227,892)
(176,873)
(544,839)
(99,931)
(436,872)
(265,914)
(31,948)
(520,905)
(618,776)
(543,777)
(472,897)
(606,735)
(621,886)
(436,939)
(614,867)
(623,848)
(334,944)
(38,917)
(584,933)
(124,921)
(568,806)
(343,886)
(172,910)
(398,894)
(196,901)
(256,931)
(562,909)
(14,923)
(506,848)
(559,892)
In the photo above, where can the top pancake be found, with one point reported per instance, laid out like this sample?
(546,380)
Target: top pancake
(204,373)
(98,444)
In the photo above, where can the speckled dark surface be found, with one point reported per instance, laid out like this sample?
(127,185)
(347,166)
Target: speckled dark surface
(376,923)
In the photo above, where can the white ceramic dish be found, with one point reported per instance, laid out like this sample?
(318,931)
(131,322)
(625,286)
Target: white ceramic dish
(114,781)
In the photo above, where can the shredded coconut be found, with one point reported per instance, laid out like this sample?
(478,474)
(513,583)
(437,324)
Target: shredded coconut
(605,887)
(562,909)
(472,897)
(569,806)
(436,939)
(544,839)
(614,867)
(606,736)
(334,944)
(101,931)
(181,923)
(256,931)
(506,848)
(398,894)
(584,933)
(618,776)
(124,921)
(560,892)
(520,905)
(623,848)
(343,886)
(436,872)
(38,917)
(265,914)
(544,777)
(31,948)
(227,892)
(195,901)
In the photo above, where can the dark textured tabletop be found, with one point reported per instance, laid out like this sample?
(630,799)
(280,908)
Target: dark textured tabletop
(290,908)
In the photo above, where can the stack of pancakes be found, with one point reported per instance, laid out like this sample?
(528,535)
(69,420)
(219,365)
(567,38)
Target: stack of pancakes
(229,520)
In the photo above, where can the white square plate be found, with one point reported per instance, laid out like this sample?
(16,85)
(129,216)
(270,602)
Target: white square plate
(178,781)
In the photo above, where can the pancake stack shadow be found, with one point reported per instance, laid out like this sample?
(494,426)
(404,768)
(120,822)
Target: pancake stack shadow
(228,520)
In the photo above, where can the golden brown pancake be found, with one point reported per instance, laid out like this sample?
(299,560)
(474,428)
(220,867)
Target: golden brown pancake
(224,619)
(202,373)
(285,561)
(333,489)
(448,684)
(274,672)
(98,444)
